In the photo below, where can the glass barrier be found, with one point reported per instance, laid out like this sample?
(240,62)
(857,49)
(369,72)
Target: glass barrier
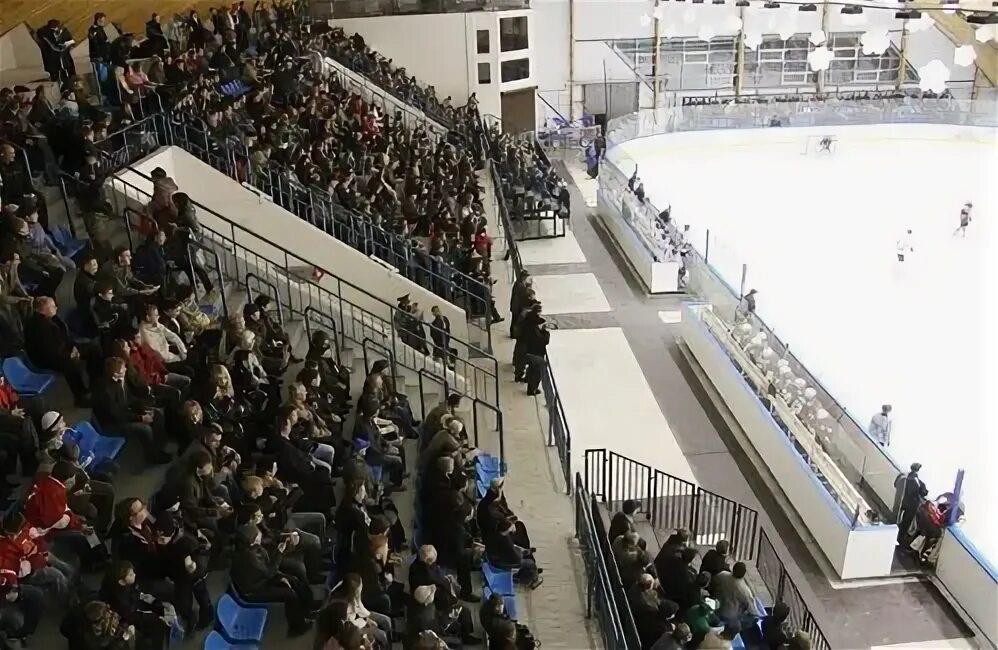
(361,8)
(856,470)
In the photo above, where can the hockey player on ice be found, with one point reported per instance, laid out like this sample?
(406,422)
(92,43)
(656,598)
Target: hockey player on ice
(904,245)
(742,333)
(784,378)
(756,345)
(823,428)
(795,392)
(767,363)
(964,219)
(825,144)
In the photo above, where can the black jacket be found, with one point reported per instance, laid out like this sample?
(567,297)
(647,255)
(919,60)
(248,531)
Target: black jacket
(253,569)
(112,403)
(47,342)
(619,525)
(100,47)
(139,548)
(421,573)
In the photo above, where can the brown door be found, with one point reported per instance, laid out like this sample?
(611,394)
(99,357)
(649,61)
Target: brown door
(518,111)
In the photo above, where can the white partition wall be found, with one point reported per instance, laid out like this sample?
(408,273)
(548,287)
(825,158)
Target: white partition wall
(272,223)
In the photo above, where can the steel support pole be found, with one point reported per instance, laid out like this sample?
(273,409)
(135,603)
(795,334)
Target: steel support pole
(902,55)
(820,77)
(740,55)
(656,65)
(571,60)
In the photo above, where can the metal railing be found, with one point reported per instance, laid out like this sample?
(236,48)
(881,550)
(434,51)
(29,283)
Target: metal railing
(311,314)
(783,590)
(272,292)
(604,589)
(559,435)
(363,8)
(672,502)
(478,369)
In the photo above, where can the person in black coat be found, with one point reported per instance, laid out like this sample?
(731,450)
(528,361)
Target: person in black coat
(183,559)
(120,591)
(295,465)
(100,46)
(426,571)
(133,540)
(121,414)
(670,551)
(716,559)
(257,578)
(55,42)
(536,337)
(49,346)
(623,521)
(502,537)
(440,333)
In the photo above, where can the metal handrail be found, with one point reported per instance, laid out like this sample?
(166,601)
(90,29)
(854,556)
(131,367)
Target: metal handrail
(475,403)
(306,291)
(783,590)
(217,266)
(270,285)
(440,379)
(384,348)
(306,315)
(559,435)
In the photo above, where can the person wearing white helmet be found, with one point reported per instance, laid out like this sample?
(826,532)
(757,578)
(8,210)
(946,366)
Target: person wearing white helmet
(742,333)
(756,345)
(823,428)
(784,378)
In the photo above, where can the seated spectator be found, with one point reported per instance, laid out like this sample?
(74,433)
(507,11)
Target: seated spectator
(716,559)
(651,612)
(121,413)
(677,639)
(432,423)
(297,464)
(375,564)
(668,561)
(623,521)
(29,559)
(23,607)
(94,625)
(632,560)
(184,562)
(426,571)
(150,263)
(38,268)
(47,512)
(18,435)
(376,625)
(257,578)
(505,537)
(167,345)
(150,617)
(127,287)
(777,628)
(108,316)
(303,555)
(41,243)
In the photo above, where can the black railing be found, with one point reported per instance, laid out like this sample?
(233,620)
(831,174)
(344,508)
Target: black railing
(605,594)
(285,269)
(312,315)
(672,502)
(271,291)
(783,590)
(559,435)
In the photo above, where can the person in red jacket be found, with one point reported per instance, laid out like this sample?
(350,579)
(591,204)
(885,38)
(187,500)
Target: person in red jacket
(18,433)
(170,387)
(49,516)
(24,560)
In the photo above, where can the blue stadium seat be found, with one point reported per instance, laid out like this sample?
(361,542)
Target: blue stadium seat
(69,245)
(508,600)
(498,580)
(482,488)
(488,463)
(93,445)
(216,641)
(238,622)
(23,379)
(485,475)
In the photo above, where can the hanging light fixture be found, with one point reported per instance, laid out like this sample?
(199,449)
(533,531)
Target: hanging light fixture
(742,3)
(807,7)
(772,5)
(851,10)
(908,14)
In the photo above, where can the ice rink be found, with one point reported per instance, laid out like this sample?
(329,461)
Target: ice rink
(818,234)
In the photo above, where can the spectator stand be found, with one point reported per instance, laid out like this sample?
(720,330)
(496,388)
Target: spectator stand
(484,416)
(672,503)
(313,204)
(477,377)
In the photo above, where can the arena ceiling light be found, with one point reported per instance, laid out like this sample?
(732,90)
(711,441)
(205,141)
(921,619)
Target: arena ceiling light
(909,14)
(851,10)
(772,5)
(875,41)
(817,37)
(964,55)
(982,19)
(807,7)
(820,58)
(933,76)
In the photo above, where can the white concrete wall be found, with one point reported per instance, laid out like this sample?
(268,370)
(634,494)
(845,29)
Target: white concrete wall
(432,47)
(971,580)
(19,50)
(853,553)
(262,221)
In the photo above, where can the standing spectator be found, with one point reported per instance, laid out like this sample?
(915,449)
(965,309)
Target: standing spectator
(881,426)
(716,559)
(440,333)
(55,42)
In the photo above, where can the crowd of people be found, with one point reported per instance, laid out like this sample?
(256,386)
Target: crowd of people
(681,600)
(838,96)
(398,188)
(274,471)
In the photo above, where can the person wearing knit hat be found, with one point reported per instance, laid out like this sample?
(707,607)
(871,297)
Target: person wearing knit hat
(257,579)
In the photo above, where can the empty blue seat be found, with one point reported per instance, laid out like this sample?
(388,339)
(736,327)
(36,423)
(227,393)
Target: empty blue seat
(24,380)
(488,463)
(498,580)
(238,622)
(216,641)
(509,601)
(485,475)
(94,446)
(69,245)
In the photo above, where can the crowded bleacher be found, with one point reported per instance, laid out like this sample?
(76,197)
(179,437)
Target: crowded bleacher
(279,471)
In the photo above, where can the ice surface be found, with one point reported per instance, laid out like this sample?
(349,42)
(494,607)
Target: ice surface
(818,235)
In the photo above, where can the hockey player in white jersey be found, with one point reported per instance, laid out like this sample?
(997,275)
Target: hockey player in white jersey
(742,333)
(965,219)
(904,245)
(756,345)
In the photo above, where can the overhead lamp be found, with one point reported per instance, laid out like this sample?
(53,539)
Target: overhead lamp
(983,19)
(909,14)
(698,2)
(851,10)
(721,2)
(772,5)
(807,7)
(745,3)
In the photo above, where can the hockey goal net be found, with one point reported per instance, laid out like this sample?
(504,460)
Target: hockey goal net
(819,144)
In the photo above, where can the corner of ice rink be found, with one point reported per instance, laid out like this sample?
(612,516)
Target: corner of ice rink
(817,234)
